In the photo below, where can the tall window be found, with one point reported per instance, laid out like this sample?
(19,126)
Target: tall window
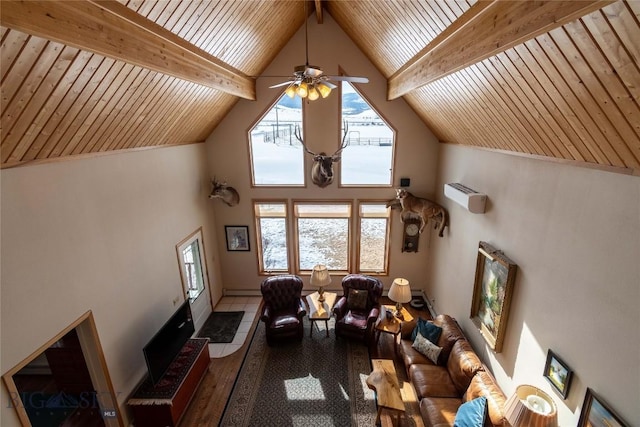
(368,158)
(277,157)
(271,226)
(374,237)
(322,232)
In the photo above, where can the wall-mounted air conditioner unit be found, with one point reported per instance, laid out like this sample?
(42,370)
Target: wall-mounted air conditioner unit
(469,199)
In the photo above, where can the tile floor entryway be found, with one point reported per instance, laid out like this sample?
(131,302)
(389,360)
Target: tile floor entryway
(250,306)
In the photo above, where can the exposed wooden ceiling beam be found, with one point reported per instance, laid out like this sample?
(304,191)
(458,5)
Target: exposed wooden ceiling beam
(486,29)
(111,29)
(319,17)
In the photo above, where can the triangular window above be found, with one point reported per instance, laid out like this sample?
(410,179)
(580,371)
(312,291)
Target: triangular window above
(277,157)
(368,157)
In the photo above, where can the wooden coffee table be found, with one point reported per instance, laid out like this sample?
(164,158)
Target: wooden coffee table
(320,311)
(384,380)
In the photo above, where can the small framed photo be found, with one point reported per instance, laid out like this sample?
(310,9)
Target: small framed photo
(237,237)
(596,413)
(558,373)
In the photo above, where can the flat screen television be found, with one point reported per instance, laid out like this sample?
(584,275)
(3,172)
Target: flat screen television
(165,345)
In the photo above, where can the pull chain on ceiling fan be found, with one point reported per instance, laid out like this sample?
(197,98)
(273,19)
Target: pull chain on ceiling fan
(309,81)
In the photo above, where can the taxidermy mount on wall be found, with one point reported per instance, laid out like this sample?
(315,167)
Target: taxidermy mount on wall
(423,208)
(322,169)
(222,191)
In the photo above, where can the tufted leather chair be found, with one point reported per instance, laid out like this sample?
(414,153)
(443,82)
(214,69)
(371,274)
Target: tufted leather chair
(284,308)
(355,319)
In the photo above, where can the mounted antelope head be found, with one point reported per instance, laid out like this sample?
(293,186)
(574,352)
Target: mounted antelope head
(222,191)
(322,169)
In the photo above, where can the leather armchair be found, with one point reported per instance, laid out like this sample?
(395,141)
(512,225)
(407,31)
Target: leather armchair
(357,313)
(283,308)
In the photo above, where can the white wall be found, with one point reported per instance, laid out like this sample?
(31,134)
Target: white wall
(99,234)
(416,153)
(575,235)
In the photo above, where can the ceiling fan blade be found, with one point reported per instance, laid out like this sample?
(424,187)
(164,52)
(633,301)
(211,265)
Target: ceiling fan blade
(312,71)
(351,79)
(282,84)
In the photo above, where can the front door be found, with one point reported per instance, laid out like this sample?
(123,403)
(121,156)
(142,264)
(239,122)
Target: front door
(195,277)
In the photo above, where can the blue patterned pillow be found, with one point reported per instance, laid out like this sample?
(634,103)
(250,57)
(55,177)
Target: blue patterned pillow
(472,413)
(428,330)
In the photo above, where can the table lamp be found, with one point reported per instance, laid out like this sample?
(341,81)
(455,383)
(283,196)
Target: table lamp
(400,292)
(531,407)
(320,277)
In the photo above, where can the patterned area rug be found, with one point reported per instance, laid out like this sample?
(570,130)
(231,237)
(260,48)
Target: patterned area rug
(221,326)
(319,381)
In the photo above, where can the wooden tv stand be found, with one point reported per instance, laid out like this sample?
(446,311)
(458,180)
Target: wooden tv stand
(165,404)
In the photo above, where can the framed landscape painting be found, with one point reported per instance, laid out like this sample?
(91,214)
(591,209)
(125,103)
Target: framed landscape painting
(595,413)
(492,290)
(558,373)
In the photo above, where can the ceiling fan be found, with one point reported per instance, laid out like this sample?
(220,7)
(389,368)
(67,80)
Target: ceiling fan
(309,81)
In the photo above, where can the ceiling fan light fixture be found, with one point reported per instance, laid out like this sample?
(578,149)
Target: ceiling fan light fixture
(313,93)
(323,89)
(291,91)
(303,90)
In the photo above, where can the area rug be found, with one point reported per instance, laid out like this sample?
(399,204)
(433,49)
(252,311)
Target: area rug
(319,381)
(221,326)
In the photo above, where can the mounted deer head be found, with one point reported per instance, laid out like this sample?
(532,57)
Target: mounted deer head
(322,169)
(222,191)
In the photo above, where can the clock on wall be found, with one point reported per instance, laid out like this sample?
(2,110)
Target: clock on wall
(411,235)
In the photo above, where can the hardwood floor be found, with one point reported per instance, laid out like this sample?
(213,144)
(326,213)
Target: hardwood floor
(208,404)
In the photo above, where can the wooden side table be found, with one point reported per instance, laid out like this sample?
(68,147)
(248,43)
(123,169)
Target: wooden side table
(384,380)
(320,311)
(392,325)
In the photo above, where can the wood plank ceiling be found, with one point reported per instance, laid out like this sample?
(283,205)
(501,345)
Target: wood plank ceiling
(569,93)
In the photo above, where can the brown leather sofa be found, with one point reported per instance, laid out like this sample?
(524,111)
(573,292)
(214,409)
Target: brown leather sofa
(458,377)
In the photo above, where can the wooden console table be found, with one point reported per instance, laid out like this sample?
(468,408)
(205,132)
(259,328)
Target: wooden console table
(165,403)
(384,381)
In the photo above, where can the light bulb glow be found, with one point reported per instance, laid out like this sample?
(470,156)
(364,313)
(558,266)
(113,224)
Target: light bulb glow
(313,93)
(291,91)
(302,90)
(324,89)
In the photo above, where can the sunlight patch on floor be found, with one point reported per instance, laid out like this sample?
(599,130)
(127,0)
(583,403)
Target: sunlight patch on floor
(312,420)
(307,388)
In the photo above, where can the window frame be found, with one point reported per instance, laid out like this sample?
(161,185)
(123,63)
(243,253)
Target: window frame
(387,237)
(261,117)
(258,234)
(393,144)
(295,230)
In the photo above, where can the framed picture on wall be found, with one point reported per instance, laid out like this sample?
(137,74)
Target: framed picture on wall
(596,413)
(237,237)
(558,373)
(492,290)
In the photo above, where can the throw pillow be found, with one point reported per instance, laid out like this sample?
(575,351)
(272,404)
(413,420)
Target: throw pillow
(428,330)
(427,348)
(471,413)
(357,299)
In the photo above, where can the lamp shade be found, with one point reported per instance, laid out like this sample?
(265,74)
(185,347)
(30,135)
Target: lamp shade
(531,407)
(320,276)
(400,291)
